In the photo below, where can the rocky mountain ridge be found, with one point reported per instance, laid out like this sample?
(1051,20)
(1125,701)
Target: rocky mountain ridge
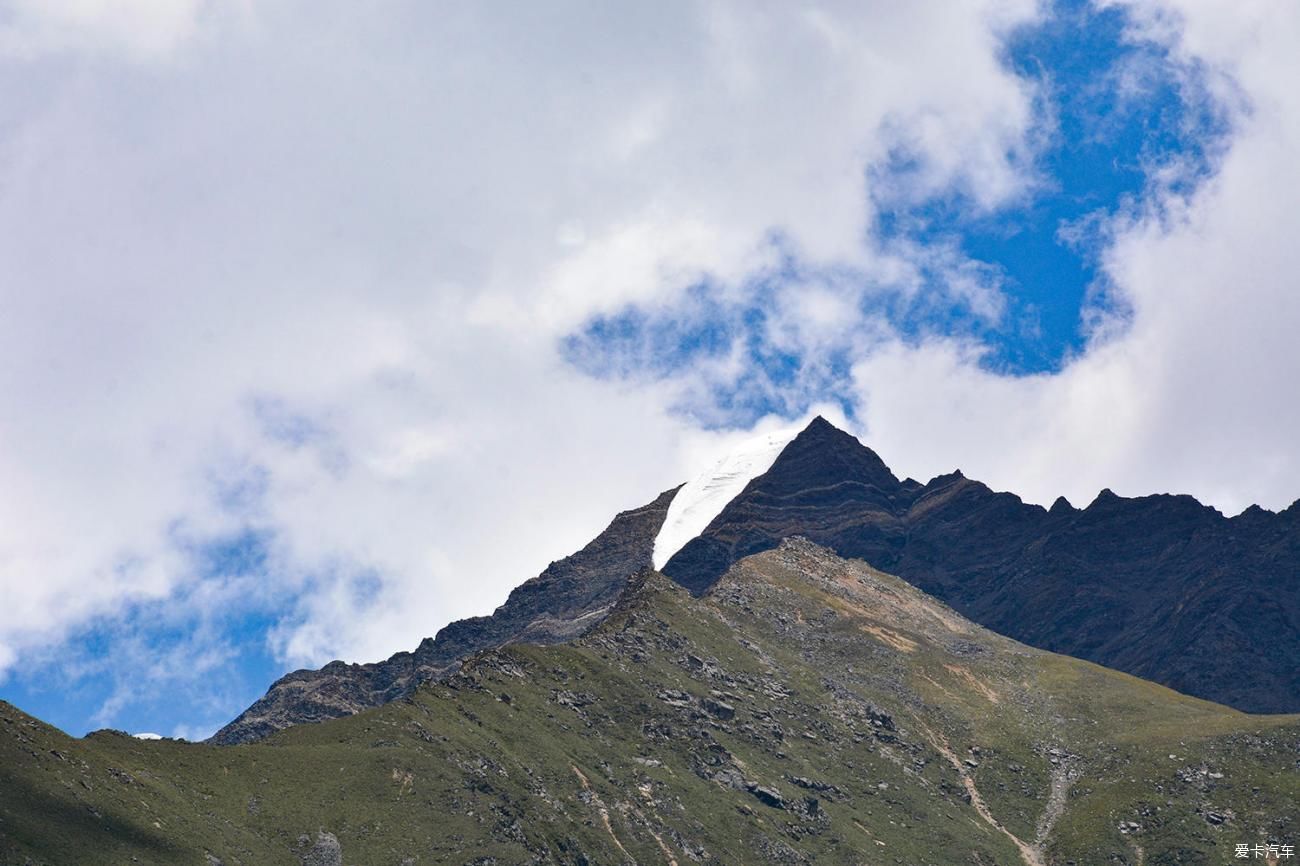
(1161,587)
(567,598)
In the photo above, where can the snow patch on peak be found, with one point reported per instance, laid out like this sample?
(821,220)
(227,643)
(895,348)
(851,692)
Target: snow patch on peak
(702,498)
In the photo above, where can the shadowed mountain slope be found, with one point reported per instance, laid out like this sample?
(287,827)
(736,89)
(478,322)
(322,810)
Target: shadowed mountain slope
(806,709)
(562,602)
(1159,586)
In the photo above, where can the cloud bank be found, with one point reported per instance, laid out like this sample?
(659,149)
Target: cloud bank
(321,327)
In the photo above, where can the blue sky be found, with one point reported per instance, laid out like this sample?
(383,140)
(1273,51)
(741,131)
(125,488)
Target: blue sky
(306,308)
(1112,113)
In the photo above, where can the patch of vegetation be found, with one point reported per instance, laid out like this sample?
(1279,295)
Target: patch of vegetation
(807,709)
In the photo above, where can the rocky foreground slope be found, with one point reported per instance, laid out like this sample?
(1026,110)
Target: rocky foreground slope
(804,709)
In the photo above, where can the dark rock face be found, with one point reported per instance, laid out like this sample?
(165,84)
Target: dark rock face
(824,483)
(1159,586)
(562,602)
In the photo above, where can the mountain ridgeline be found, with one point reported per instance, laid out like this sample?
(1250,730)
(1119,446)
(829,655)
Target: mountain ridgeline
(769,695)
(1161,587)
(559,604)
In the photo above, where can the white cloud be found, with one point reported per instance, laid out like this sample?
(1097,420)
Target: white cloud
(194,733)
(1196,393)
(140,30)
(308,273)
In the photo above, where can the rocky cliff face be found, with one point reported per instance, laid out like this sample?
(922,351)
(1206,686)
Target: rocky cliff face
(562,602)
(1159,586)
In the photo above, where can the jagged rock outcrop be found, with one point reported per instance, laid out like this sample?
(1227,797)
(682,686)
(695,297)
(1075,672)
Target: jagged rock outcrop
(325,852)
(562,602)
(1162,587)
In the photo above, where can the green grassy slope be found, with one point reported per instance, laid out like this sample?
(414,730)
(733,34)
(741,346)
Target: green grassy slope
(807,710)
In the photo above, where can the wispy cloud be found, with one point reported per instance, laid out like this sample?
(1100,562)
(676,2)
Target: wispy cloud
(144,31)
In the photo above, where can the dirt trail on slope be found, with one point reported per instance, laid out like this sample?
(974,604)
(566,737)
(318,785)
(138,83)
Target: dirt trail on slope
(600,807)
(1031,854)
(1062,779)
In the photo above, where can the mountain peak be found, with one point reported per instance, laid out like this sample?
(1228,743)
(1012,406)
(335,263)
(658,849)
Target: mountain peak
(819,429)
(701,499)
(824,454)
(821,471)
(1105,497)
(1062,506)
(784,457)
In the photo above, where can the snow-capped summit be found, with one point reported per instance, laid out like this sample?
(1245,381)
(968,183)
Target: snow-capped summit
(1014,565)
(703,497)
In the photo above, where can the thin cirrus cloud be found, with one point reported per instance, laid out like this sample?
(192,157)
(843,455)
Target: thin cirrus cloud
(325,326)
